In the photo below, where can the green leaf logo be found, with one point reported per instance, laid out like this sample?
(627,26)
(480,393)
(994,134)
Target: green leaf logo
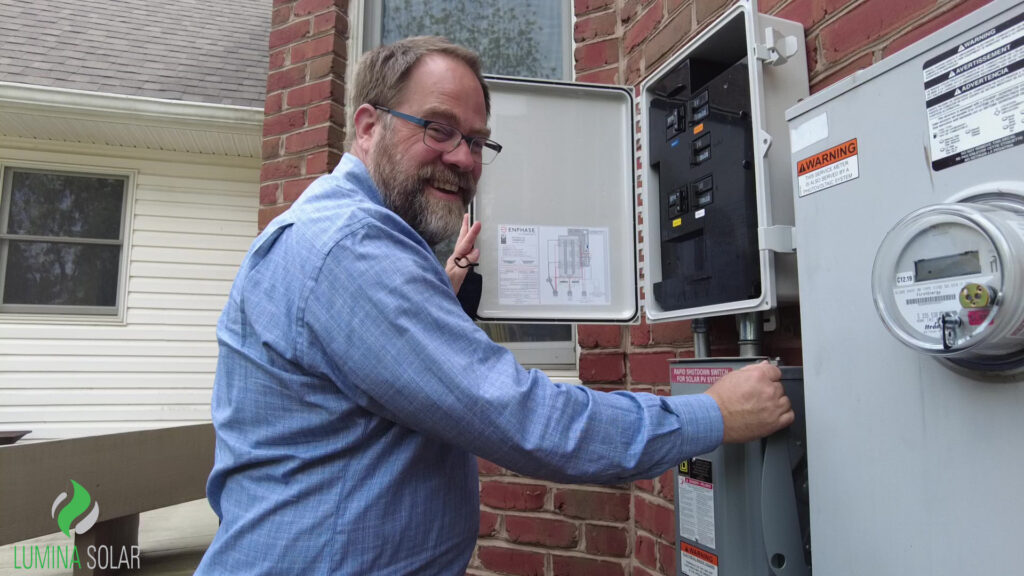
(79,503)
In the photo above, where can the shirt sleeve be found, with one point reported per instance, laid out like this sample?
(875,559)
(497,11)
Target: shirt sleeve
(383,322)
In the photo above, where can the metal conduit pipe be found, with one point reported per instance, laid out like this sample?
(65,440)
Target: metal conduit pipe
(701,342)
(749,325)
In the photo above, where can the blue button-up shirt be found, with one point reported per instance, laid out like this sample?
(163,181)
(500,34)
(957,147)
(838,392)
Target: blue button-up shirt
(352,394)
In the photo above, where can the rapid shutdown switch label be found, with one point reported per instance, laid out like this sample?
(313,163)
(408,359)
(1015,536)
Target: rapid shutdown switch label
(974,93)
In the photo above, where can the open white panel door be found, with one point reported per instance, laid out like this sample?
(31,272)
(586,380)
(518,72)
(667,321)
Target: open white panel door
(558,242)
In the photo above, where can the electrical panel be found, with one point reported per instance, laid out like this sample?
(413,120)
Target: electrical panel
(715,160)
(743,509)
(909,202)
(701,141)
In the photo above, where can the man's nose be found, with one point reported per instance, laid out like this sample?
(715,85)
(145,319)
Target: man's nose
(461,157)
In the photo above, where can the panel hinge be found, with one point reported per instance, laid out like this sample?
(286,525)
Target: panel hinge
(777,48)
(777,239)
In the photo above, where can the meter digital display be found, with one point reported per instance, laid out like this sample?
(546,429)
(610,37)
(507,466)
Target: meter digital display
(948,280)
(947,266)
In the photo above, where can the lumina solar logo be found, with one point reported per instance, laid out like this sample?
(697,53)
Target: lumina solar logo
(78,513)
(80,503)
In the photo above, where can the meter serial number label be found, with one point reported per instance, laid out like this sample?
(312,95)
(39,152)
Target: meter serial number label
(923,304)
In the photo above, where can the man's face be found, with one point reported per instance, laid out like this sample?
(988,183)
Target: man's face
(427,188)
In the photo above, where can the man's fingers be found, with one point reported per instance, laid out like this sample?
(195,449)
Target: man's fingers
(466,241)
(787,419)
(785,405)
(464,245)
(769,369)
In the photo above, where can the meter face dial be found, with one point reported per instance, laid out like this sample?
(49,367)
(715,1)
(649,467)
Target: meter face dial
(933,269)
(941,285)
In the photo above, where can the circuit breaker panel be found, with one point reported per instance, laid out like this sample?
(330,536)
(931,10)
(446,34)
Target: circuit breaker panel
(715,160)
(702,145)
(743,509)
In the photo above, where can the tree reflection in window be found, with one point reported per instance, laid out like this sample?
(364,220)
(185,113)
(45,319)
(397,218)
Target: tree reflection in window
(61,241)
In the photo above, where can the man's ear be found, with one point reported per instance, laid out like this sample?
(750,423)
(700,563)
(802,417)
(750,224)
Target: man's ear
(364,121)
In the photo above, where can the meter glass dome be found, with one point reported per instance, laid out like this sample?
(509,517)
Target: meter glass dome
(945,281)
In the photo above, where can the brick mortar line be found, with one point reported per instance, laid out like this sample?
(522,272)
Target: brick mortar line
(941,7)
(877,48)
(496,543)
(304,128)
(653,536)
(546,514)
(304,154)
(598,489)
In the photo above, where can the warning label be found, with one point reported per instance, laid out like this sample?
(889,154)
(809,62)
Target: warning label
(696,562)
(696,375)
(696,496)
(974,94)
(829,168)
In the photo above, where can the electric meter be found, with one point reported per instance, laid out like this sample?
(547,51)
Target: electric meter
(948,280)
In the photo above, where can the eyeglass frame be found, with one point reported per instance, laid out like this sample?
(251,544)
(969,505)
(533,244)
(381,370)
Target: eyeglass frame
(425,124)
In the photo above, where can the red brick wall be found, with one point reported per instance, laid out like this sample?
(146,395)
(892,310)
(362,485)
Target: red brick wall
(304,122)
(528,526)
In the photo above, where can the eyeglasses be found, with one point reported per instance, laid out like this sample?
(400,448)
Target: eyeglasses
(444,138)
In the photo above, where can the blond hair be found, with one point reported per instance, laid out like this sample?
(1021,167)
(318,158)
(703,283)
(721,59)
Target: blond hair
(383,72)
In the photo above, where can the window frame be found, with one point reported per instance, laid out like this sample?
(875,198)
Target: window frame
(64,312)
(366,20)
(369,32)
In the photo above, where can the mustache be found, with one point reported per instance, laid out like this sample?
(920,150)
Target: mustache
(445,175)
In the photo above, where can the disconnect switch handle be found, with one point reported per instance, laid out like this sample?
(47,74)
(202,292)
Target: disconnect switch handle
(780,524)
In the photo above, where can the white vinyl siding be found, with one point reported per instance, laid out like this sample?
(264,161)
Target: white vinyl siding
(191,220)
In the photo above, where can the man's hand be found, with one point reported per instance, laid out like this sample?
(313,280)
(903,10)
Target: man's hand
(464,252)
(752,402)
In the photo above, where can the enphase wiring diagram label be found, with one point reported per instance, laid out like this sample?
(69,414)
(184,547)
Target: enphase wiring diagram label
(828,168)
(696,495)
(974,94)
(696,562)
(553,265)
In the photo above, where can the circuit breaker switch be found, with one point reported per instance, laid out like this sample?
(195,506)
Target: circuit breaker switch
(701,143)
(675,122)
(702,156)
(701,113)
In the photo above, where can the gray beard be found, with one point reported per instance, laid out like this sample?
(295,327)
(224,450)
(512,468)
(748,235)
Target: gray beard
(403,193)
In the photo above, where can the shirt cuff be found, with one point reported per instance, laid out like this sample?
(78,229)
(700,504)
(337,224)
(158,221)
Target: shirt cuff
(701,421)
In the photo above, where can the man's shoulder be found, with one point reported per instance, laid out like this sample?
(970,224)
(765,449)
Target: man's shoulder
(331,211)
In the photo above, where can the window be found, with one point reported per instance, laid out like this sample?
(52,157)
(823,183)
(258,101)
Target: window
(514,37)
(529,38)
(61,241)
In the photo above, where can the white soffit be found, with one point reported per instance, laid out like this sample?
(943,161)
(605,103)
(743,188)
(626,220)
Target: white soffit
(54,114)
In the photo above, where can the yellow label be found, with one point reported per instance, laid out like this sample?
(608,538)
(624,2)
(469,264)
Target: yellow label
(677,222)
(684,467)
(698,128)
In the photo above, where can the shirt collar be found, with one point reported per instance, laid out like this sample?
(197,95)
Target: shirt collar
(353,172)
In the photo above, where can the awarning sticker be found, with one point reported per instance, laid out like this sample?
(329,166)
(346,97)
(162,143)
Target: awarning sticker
(696,562)
(974,95)
(828,168)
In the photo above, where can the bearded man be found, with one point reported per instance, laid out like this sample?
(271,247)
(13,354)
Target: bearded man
(352,393)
